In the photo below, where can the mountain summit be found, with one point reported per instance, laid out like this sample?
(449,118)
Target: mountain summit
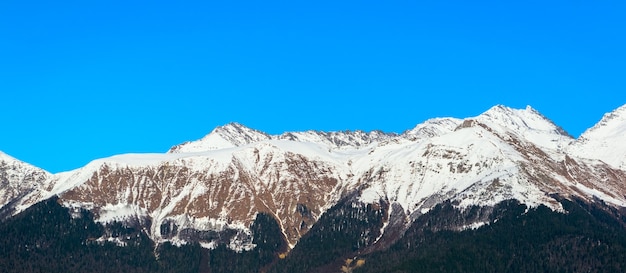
(605,140)
(528,124)
(227,136)
(18,179)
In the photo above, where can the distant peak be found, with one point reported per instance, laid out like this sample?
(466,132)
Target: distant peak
(506,109)
(503,109)
(506,116)
(617,114)
(231,126)
(433,127)
(611,123)
(527,123)
(235,129)
(226,136)
(606,140)
(234,125)
(500,107)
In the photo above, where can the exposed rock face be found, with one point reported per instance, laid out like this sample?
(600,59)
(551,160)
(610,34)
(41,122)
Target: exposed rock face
(18,179)
(213,194)
(220,182)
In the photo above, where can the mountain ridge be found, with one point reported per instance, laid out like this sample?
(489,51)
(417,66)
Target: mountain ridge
(222,181)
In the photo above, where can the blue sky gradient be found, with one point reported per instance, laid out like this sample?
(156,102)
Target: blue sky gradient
(82,80)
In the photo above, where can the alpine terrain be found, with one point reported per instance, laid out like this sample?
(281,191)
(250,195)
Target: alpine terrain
(507,190)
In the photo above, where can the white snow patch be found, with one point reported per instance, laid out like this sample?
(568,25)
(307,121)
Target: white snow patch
(119,212)
(209,245)
(601,195)
(371,195)
(474,226)
(115,240)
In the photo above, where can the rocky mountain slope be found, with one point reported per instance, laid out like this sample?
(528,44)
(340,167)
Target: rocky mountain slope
(605,140)
(210,190)
(18,179)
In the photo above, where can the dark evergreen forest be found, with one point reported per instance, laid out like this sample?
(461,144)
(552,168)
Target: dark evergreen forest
(589,238)
(46,238)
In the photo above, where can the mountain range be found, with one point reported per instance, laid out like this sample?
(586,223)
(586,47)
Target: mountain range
(212,192)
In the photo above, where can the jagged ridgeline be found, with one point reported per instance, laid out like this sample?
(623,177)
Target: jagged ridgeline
(506,191)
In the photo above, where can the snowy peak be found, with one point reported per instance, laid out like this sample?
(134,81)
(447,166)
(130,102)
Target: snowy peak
(236,135)
(605,141)
(240,135)
(6,159)
(519,119)
(227,136)
(18,178)
(612,124)
(526,124)
(432,128)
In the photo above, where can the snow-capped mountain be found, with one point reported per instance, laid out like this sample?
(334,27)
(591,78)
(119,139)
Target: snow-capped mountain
(432,128)
(18,178)
(526,124)
(222,181)
(236,135)
(227,136)
(211,190)
(605,141)
(502,154)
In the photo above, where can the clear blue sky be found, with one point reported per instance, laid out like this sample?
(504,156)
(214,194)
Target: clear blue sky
(82,80)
